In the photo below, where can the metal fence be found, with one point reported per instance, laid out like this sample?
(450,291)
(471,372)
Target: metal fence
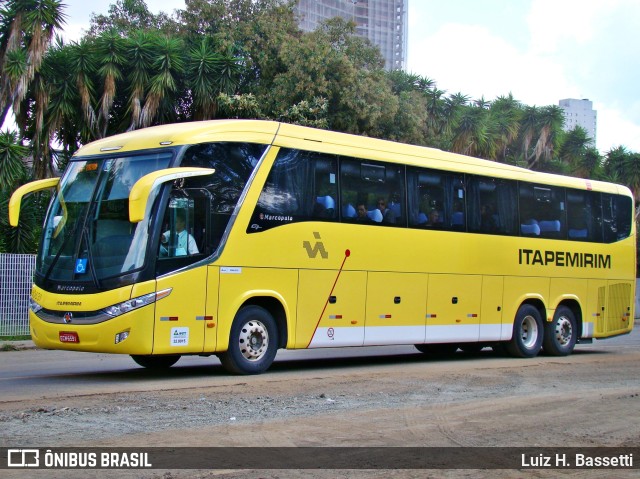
(16,273)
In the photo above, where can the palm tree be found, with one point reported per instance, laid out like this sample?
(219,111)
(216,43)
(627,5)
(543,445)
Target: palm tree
(471,135)
(506,113)
(549,126)
(26,30)
(83,69)
(169,64)
(140,52)
(110,49)
(210,73)
(13,173)
(573,150)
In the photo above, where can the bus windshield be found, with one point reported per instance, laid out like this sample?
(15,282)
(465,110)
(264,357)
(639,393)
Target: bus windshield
(87,234)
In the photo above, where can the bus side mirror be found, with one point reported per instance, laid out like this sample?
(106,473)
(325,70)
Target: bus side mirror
(16,197)
(144,187)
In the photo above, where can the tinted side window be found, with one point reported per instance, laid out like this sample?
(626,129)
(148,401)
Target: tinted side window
(542,211)
(218,194)
(436,199)
(493,205)
(372,192)
(233,162)
(616,216)
(584,216)
(301,186)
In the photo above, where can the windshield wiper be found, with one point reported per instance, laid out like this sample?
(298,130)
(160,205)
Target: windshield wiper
(94,275)
(59,253)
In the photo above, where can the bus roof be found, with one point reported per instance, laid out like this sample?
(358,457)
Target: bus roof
(295,136)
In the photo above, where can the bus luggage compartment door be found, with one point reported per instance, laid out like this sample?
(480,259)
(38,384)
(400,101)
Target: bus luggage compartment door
(453,308)
(396,305)
(330,318)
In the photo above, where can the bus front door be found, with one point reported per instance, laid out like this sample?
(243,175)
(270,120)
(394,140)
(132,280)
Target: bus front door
(180,317)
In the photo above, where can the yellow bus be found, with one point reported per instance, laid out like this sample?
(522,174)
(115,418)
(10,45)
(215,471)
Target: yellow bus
(241,237)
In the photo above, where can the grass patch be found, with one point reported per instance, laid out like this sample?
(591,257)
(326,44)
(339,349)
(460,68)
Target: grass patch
(9,347)
(25,337)
(7,342)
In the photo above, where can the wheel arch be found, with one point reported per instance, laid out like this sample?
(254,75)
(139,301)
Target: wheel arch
(536,302)
(576,309)
(275,307)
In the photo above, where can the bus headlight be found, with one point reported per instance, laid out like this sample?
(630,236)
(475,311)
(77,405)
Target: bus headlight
(33,306)
(135,303)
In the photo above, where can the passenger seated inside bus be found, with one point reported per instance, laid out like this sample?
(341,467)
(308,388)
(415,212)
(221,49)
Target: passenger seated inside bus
(488,223)
(388,215)
(362,215)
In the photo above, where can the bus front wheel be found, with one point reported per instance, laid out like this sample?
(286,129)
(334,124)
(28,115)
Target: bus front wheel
(253,342)
(560,335)
(528,328)
(156,362)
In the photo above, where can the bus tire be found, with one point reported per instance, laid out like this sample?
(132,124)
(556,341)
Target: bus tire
(528,331)
(560,335)
(253,342)
(156,362)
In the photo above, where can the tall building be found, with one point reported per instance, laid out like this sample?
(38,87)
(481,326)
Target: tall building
(580,113)
(383,22)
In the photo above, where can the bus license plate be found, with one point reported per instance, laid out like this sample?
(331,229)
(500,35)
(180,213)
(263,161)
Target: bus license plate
(69,337)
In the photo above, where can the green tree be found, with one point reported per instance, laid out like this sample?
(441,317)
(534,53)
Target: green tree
(472,134)
(506,114)
(26,30)
(13,173)
(543,125)
(129,16)
(210,73)
(573,149)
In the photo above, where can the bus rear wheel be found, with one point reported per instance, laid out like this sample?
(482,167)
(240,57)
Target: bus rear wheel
(528,328)
(560,335)
(156,362)
(253,342)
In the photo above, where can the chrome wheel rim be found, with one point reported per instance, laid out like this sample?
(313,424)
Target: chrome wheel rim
(253,340)
(563,331)
(529,332)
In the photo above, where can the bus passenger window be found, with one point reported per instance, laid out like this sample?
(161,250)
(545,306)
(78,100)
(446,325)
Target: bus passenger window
(617,217)
(372,192)
(492,205)
(301,186)
(542,211)
(584,216)
(436,200)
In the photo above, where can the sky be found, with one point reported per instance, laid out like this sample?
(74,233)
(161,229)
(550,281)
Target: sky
(541,51)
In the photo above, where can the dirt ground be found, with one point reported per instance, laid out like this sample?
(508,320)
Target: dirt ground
(591,398)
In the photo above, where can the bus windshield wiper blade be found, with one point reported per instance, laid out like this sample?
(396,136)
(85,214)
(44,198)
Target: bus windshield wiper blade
(94,275)
(59,253)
